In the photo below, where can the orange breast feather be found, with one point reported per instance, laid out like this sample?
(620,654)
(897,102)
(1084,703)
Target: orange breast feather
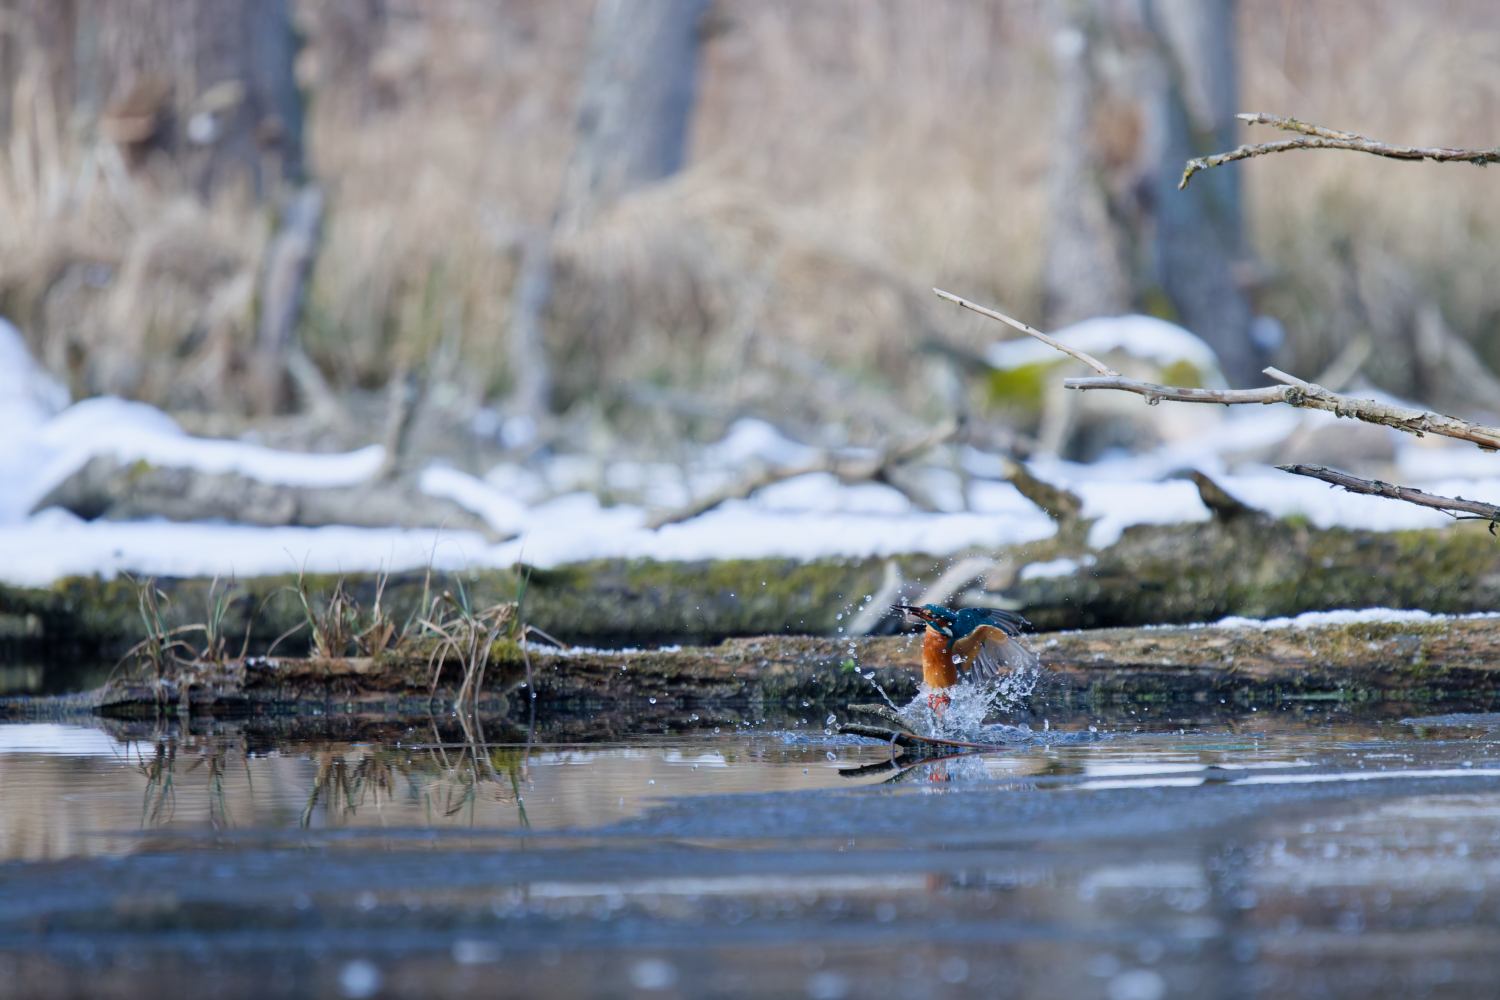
(938,670)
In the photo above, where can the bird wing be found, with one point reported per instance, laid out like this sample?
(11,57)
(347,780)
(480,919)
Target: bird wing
(1010,622)
(990,649)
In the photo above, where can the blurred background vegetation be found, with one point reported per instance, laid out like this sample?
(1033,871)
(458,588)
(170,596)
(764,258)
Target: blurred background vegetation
(478,228)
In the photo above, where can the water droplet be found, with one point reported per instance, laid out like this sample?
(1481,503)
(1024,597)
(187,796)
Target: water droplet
(805,704)
(1137,984)
(828,732)
(694,717)
(832,755)
(651,782)
(467,951)
(716,729)
(838,618)
(831,719)
(653,974)
(359,979)
(653,701)
(953,970)
(827,986)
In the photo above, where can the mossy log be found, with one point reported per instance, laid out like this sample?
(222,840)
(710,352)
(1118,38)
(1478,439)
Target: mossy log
(1245,565)
(1368,661)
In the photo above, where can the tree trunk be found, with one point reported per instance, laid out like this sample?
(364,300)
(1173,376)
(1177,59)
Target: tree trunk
(210,82)
(636,102)
(1143,87)
(634,108)
(190,98)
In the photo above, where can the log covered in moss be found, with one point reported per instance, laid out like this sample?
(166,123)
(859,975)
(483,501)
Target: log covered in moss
(1152,575)
(1429,659)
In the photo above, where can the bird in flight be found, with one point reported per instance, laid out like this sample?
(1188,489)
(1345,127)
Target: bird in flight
(984,640)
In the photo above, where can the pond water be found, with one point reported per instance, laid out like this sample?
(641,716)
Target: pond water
(1129,853)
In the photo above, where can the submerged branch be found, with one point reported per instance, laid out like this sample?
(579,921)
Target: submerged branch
(1376,488)
(1308,395)
(1319,137)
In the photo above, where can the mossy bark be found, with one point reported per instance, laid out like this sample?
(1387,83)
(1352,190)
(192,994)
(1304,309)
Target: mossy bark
(1259,568)
(1247,565)
(1409,661)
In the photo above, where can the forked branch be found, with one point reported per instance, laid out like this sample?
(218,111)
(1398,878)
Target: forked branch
(1307,395)
(1295,392)
(1318,137)
(1376,488)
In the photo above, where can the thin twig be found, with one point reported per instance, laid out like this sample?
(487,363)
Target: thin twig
(1156,393)
(1058,345)
(846,469)
(1308,395)
(1376,488)
(1319,137)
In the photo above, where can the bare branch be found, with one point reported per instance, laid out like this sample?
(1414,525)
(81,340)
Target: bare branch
(1319,137)
(1295,393)
(1156,393)
(1376,488)
(1307,395)
(847,469)
(1058,345)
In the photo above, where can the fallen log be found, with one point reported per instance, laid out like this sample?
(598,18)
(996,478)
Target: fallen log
(1431,658)
(122,491)
(1239,563)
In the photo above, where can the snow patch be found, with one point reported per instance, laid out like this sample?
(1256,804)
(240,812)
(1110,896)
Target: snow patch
(1051,568)
(505,514)
(1323,619)
(1144,337)
(1118,506)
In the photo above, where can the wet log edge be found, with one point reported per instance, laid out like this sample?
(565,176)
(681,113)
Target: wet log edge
(1418,660)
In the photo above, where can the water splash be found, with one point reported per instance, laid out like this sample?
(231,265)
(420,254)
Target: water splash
(958,712)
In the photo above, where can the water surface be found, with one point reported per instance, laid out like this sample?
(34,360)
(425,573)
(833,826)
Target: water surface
(1190,850)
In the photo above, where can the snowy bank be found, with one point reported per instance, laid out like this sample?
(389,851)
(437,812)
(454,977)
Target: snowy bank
(555,516)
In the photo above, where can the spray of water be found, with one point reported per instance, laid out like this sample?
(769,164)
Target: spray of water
(958,712)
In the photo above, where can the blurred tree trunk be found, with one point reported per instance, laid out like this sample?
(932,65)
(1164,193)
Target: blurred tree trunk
(635,105)
(197,97)
(1145,85)
(208,83)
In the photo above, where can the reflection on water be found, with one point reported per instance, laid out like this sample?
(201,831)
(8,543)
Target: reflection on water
(1170,852)
(77,789)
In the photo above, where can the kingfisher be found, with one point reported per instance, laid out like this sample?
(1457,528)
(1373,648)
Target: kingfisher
(985,639)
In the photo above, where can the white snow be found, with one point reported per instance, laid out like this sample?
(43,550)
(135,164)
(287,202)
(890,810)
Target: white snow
(55,738)
(1121,505)
(554,511)
(1322,619)
(1144,337)
(505,514)
(1050,568)
(54,544)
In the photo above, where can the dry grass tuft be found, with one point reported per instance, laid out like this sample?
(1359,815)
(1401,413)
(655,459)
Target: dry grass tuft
(846,156)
